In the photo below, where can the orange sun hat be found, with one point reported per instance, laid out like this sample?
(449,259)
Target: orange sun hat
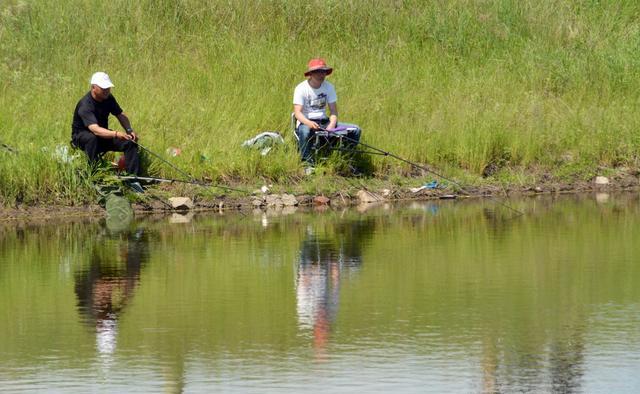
(317,64)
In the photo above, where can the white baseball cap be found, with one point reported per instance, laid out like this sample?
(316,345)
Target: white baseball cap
(101,79)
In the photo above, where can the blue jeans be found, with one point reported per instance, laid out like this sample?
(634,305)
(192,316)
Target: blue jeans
(305,138)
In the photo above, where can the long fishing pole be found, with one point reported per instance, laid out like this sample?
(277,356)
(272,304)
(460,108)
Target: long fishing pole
(164,161)
(191,180)
(171,180)
(386,153)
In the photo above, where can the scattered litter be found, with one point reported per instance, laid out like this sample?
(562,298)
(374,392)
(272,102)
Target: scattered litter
(432,185)
(173,151)
(448,197)
(264,141)
(427,186)
(264,189)
(62,155)
(601,180)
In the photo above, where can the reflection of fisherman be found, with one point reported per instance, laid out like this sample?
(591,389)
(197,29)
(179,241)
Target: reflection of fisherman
(321,265)
(105,288)
(318,291)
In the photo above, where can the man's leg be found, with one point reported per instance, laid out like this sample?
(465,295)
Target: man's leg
(131,155)
(90,144)
(304,142)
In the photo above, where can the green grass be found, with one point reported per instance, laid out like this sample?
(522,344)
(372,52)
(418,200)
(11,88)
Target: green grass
(456,84)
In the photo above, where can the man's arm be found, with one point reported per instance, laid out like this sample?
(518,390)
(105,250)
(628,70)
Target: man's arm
(297,110)
(333,115)
(126,124)
(106,133)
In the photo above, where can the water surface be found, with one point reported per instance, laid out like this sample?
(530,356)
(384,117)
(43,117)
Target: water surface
(452,296)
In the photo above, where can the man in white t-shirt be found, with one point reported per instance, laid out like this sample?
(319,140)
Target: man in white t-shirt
(314,106)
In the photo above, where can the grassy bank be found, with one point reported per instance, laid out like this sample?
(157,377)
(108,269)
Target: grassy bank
(461,85)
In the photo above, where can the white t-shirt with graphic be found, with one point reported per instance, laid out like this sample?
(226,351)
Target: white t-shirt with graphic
(314,101)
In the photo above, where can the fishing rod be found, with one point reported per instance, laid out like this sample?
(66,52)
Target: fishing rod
(170,180)
(191,180)
(163,160)
(424,168)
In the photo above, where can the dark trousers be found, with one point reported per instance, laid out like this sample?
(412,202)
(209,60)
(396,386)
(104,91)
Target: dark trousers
(95,146)
(306,136)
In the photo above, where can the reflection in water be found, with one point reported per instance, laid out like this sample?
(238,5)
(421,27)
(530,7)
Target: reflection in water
(324,260)
(414,299)
(108,284)
(567,359)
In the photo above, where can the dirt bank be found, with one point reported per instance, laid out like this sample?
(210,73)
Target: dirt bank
(154,202)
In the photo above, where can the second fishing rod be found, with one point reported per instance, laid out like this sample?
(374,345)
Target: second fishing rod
(378,151)
(191,179)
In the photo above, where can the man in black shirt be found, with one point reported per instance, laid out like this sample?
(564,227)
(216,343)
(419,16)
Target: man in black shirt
(90,128)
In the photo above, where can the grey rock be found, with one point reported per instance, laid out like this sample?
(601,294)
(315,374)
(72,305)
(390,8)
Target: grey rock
(181,202)
(366,196)
(289,200)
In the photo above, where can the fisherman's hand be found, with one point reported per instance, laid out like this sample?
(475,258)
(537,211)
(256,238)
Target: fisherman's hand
(134,136)
(313,125)
(123,136)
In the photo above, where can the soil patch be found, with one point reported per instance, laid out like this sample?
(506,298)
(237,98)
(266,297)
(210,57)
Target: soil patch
(264,200)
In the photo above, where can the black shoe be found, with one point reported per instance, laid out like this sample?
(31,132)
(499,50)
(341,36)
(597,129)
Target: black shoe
(136,187)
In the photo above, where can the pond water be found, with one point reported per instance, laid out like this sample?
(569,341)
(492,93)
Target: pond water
(445,296)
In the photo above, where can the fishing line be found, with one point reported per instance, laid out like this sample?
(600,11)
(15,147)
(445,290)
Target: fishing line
(386,153)
(170,180)
(191,180)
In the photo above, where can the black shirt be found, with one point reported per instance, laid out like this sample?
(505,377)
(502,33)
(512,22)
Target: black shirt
(89,111)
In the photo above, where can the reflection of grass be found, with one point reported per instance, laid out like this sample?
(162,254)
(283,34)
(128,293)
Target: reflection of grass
(458,275)
(455,84)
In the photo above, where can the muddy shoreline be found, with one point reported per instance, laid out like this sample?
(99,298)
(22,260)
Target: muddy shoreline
(260,200)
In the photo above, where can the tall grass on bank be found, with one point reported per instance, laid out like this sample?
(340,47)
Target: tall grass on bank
(457,84)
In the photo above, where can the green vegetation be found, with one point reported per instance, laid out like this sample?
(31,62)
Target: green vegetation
(461,84)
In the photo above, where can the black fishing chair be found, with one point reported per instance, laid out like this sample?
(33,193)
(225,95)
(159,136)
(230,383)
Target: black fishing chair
(323,141)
